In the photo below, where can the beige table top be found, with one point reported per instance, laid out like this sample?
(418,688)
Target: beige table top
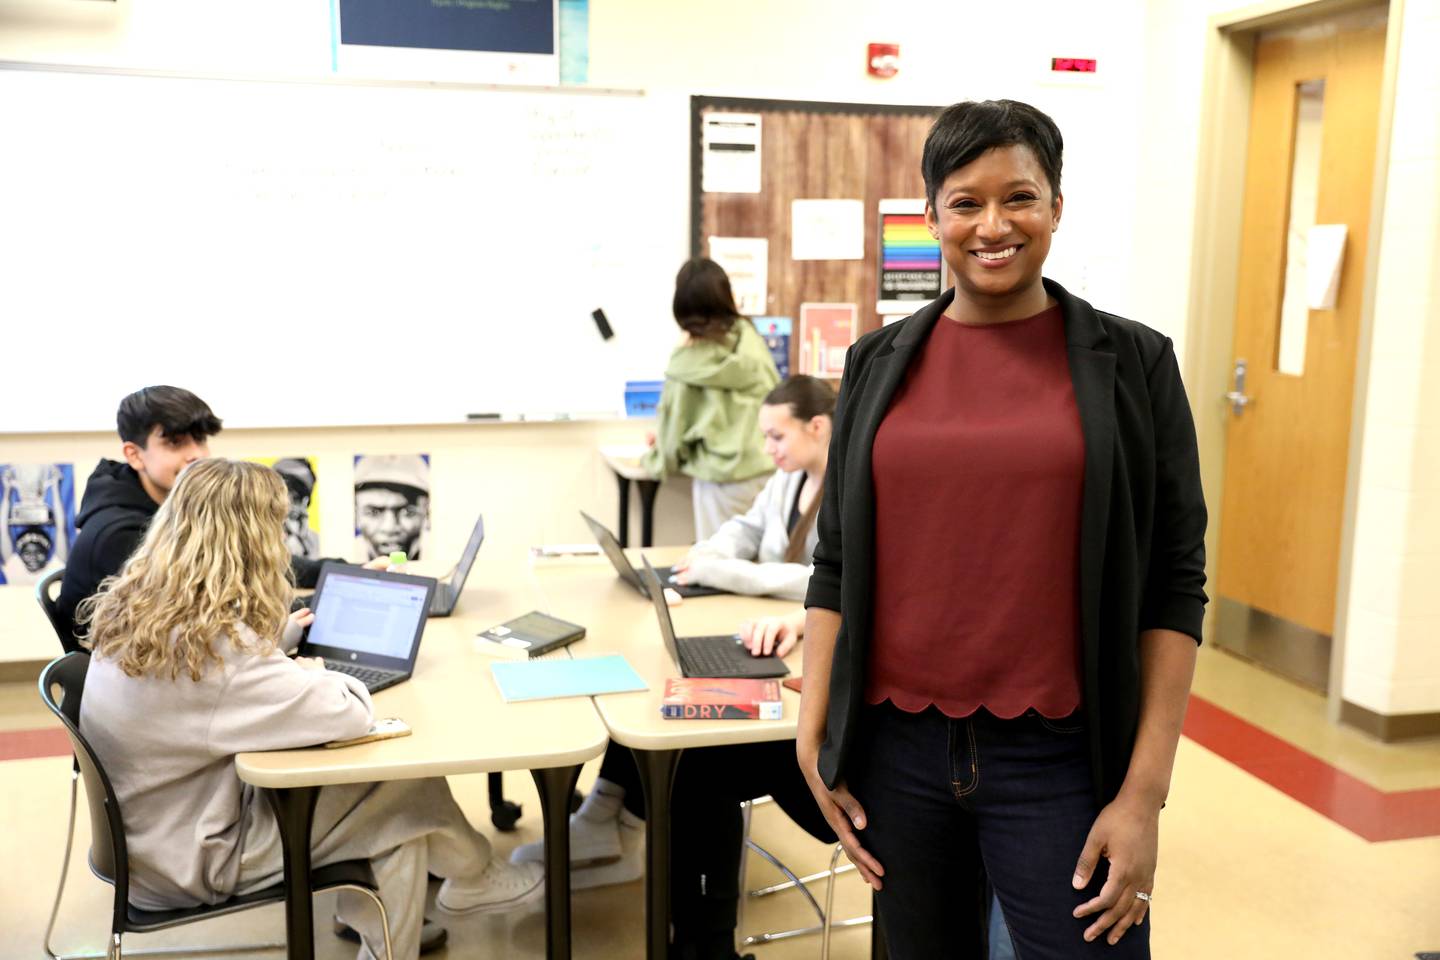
(460,722)
(25,634)
(586,590)
(625,460)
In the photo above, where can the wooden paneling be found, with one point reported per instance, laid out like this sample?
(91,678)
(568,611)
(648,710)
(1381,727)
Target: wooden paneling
(817,151)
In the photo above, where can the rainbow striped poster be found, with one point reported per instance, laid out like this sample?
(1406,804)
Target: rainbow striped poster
(911,273)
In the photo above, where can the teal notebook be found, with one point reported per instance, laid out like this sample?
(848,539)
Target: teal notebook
(549,679)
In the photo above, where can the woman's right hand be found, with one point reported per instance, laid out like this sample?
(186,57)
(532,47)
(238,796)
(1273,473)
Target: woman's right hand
(842,811)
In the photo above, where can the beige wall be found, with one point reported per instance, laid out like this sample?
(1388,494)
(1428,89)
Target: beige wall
(1131,195)
(1392,651)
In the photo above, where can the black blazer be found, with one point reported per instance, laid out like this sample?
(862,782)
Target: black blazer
(1142,526)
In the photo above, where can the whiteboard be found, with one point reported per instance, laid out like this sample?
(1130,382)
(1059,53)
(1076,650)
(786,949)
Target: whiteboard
(327,253)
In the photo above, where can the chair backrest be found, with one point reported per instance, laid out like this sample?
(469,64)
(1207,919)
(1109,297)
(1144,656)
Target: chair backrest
(47,591)
(62,683)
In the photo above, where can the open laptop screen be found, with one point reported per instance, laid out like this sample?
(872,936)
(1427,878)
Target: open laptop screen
(467,559)
(359,613)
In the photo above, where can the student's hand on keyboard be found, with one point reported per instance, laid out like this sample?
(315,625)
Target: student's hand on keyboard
(311,663)
(773,635)
(680,573)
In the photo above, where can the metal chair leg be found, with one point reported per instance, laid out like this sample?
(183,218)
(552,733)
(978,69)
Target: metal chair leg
(745,807)
(64,864)
(112,949)
(384,918)
(829,904)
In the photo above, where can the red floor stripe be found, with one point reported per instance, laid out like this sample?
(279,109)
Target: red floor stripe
(1355,805)
(25,744)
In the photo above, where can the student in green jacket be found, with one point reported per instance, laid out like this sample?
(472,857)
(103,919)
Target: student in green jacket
(714,385)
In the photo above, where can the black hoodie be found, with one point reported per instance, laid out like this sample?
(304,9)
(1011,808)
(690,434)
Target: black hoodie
(113,516)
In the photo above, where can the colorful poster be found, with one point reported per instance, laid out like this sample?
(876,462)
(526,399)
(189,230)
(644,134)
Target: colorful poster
(826,332)
(37,519)
(392,505)
(911,274)
(776,331)
(746,261)
(302,524)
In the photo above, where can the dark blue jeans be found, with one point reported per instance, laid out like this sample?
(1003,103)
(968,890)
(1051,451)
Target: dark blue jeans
(1016,794)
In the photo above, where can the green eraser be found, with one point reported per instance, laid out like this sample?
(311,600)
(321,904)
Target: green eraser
(397,558)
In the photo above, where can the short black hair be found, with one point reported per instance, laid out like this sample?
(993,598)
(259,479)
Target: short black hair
(177,412)
(964,131)
(807,397)
(704,305)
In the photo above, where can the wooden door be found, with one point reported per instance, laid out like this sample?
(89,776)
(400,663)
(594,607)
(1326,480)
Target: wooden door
(1311,144)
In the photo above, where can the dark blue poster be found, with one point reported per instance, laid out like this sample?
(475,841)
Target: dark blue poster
(500,26)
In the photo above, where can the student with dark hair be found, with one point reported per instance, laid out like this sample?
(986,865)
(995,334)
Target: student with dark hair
(714,384)
(162,430)
(765,551)
(1009,580)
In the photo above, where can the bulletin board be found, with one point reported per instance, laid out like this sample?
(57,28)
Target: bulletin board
(810,151)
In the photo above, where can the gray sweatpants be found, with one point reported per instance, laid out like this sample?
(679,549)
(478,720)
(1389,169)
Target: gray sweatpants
(714,503)
(405,828)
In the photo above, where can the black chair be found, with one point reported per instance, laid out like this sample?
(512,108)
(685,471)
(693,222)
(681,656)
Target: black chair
(46,592)
(109,859)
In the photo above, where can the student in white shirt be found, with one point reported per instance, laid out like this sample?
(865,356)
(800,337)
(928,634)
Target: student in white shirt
(187,672)
(766,550)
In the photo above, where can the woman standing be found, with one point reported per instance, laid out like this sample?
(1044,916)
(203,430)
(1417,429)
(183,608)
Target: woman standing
(1008,585)
(714,384)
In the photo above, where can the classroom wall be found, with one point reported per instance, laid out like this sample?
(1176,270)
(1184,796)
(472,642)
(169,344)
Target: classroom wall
(1132,141)
(1392,657)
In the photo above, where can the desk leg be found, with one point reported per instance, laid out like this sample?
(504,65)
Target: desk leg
(657,775)
(623,533)
(555,786)
(295,814)
(648,489)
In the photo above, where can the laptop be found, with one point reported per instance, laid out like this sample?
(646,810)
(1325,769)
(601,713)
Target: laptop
(724,656)
(447,594)
(630,575)
(368,623)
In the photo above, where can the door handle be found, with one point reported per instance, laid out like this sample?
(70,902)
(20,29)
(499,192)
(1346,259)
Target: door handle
(1238,398)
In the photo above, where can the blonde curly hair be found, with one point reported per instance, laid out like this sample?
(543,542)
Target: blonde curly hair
(213,559)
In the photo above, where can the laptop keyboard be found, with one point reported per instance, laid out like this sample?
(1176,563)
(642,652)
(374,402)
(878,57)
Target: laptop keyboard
(709,657)
(366,675)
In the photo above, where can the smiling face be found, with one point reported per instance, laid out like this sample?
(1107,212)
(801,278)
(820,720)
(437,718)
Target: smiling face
(162,458)
(792,443)
(994,218)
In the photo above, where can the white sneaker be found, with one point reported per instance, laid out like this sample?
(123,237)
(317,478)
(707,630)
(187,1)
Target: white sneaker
(628,868)
(503,886)
(592,842)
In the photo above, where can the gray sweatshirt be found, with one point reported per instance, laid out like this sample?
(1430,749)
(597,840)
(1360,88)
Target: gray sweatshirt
(746,554)
(169,747)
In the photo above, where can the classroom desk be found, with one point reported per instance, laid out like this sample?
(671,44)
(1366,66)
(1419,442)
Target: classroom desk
(460,725)
(625,462)
(619,620)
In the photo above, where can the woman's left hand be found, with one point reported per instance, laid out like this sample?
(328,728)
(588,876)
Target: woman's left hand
(1127,834)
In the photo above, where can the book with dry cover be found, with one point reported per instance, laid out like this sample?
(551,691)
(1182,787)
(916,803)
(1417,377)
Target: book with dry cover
(705,698)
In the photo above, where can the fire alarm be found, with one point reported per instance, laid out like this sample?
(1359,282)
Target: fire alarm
(883,60)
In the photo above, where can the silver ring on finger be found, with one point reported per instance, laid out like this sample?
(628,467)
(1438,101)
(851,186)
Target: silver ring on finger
(1143,896)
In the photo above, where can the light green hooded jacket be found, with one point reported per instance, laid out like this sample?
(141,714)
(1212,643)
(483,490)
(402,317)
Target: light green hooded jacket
(707,415)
